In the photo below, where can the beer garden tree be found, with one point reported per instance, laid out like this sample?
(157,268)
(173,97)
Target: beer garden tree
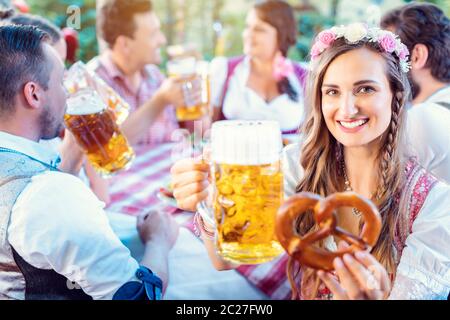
(214,27)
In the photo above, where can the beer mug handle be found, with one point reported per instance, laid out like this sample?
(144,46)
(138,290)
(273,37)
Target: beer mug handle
(206,152)
(206,212)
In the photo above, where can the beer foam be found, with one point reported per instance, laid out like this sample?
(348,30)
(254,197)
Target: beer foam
(181,67)
(85,102)
(244,142)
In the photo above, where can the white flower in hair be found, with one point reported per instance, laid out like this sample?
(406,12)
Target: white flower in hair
(355,32)
(374,34)
(405,65)
(339,31)
(398,46)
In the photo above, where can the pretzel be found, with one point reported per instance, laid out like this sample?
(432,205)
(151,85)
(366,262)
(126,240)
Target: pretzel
(302,248)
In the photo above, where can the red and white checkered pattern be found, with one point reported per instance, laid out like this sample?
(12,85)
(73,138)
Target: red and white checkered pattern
(134,192)
(269,277)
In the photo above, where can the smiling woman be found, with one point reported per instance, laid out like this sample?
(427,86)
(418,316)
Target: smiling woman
(356,94)
(354,108)
(357,90)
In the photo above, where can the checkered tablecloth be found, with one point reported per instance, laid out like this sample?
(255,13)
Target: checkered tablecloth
(135,191)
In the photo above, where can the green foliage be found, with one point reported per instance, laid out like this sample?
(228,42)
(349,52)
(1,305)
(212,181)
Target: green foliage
(5,3)
(233,26)
(310,23)
(56,11)
(195,24)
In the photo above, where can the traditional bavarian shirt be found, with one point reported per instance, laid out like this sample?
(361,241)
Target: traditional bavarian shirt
(55,238)
(428,133)
(422,242)
(230,92)
(441,97)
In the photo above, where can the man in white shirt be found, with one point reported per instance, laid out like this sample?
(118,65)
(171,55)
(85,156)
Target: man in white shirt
(425,30)
(55,238)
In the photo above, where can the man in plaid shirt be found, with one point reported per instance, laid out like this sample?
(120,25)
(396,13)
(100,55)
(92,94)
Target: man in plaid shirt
(133,35)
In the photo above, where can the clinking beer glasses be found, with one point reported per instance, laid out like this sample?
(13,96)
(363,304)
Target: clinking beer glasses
(196,78)
(79,77)
(95,130)
(247,189)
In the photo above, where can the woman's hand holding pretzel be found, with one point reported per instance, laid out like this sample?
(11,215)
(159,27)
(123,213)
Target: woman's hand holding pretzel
(358,276)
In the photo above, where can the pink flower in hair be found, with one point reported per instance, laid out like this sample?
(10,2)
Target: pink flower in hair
(387,42)
(403,51)
(317,49)
(358,32)
(327,37)
(282,67)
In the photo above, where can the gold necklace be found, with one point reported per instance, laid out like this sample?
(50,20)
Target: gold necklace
(348,187)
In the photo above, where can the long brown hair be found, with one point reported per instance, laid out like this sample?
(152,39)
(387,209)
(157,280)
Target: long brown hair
(321,156)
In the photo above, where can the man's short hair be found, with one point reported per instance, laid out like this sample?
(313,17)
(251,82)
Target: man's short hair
(22,59)
(117,18)
(426,24)
(6,13)
(33,20)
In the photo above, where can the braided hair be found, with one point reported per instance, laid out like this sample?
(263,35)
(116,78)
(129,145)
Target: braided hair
(321,154)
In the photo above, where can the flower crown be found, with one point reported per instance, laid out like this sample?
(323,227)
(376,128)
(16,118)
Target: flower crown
(355,32)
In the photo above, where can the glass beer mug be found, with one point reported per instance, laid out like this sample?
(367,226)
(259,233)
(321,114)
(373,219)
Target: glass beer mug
(247,189)
(96,132)
(79,77)
(196,77)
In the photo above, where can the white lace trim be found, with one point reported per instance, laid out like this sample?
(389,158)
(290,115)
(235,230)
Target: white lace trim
(410,289)
(412,283)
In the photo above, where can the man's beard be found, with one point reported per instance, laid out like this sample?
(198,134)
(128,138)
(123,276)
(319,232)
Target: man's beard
(415,88)
(51,127)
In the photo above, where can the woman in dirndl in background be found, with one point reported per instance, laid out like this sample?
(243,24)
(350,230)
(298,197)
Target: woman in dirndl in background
(262,84)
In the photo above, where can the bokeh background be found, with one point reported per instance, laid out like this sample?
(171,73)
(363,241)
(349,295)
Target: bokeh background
(214,27)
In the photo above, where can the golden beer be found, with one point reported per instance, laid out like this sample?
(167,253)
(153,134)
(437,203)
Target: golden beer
(248,189)
(245,204)
(196,78)
(120,109)
(97,133)
(79,77)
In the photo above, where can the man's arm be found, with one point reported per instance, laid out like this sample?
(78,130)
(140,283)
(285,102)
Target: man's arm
(58,223)
(140,120)
(72,155)
(159,232)
(137,124)
(99,185)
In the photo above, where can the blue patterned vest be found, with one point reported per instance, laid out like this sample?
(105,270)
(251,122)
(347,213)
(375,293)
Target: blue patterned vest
(18,279)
